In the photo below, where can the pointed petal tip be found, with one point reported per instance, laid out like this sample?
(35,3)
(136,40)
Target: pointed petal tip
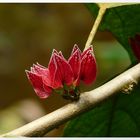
(92,53)
(52,56)
(38,64)
(75,46)
(27,71)
(90,47)
(34,65)
(60,53)
(28,74)
(55,51)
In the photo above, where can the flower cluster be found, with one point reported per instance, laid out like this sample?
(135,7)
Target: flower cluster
(64,76)
(135,44)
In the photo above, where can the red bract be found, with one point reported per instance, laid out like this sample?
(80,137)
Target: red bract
(135,44)
(63,74)
(35,77)
(88,66)
(75,63)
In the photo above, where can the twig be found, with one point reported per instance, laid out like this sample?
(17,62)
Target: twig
(87,101)
(95,26)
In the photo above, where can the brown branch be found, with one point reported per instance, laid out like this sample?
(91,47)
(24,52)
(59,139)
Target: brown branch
(87,101)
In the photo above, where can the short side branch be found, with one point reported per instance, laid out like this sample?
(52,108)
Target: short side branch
(87,101)
(95,26)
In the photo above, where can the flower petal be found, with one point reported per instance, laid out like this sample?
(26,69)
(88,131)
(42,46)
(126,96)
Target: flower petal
(56,79)
(52,65)
(75,63)
(37,83)
(64,70)
(88,68)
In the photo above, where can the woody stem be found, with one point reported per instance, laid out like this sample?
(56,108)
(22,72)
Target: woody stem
(87,101)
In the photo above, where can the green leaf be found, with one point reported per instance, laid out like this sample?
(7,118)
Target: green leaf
(121,20)
(119,116)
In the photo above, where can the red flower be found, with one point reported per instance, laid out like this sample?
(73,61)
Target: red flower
(63,74)
(135,44)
